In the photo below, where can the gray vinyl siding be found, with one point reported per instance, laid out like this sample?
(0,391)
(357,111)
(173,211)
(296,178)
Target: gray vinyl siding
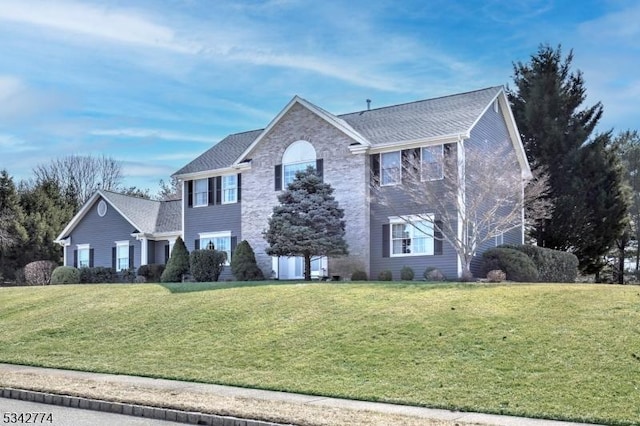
(151,252)
(101,233)
(490,135)
(212,218)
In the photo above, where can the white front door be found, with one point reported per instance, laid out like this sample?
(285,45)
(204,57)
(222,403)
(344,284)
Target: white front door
(292,268)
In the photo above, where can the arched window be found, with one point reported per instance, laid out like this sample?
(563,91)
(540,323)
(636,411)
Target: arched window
(298,156)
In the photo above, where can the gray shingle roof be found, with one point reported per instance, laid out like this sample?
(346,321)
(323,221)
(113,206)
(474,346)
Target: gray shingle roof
(148,216)
(448,115)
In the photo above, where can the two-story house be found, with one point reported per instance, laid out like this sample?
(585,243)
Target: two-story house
(230,190)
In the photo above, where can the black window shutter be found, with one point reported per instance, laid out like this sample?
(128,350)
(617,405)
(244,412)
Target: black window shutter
(131,256)
(114,255)
(219,190)
(278,177)
(75,258)
(197,244)
(239,185)
(211,200)
(320,168)
(90,258)
(375,168)
(437,238)
(190,193)
(385,240)
(166,254)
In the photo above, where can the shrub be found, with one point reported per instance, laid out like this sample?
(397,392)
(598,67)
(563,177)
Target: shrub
(178,263)
(385,276)
(553,265)
(206,265)
(433,274)
(97,275)
(406,273)
(65,275)
(39,272)
(496,276)
(140,279)
(359,275)
(243,264)
(152,272)
(128,275)
(517,265)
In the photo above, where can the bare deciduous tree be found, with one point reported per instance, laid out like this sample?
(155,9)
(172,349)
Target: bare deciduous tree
(170,191)
(474,198)
(81,175)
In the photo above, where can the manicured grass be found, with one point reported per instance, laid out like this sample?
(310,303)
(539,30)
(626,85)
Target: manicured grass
(554,351)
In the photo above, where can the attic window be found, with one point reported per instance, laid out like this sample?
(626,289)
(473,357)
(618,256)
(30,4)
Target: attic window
(102,208)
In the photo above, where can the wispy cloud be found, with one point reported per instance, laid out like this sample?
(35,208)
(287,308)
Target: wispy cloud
(154,134)
(10,143)
(19,101)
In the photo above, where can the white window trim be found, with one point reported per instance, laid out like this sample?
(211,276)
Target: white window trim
(124,243)
(399,181)
(499,239)
(195,193)
(422,179)
(297,153)
(406,220)
(211,235)
(224,189)
(80,247)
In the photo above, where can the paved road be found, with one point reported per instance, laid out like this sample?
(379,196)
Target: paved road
(66,416)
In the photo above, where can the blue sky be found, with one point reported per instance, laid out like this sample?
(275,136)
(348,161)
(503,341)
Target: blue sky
(155,83)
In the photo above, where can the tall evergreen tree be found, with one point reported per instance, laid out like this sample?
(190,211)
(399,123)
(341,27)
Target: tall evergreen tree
(584,175)
(628,144)
(308,222)
(12,232)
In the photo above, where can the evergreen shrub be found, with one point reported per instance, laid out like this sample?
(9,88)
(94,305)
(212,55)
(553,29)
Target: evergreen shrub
(178,263)
(385,276)
(243,263)
(65,275)
(97,275)
(206,265)
(433,274)
(152,272)
(39,272)
(406,273)
(359,275)
(517,265)
(554,266)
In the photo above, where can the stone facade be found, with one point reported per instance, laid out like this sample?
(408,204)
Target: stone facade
(347,173)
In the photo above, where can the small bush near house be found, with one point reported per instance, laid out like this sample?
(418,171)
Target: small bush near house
(178,263)
(243,263)
(496,276)
(385,276)
(39,272)
(140,279)
(65,275)
(359,276)
(128,275)
(406,274)
(207,265)
(433,274)
(97,275)
(517,265)
(554,266)
(152,272)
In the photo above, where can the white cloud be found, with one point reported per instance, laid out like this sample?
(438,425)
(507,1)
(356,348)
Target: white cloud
(18,101)
(10,143)
(154,134)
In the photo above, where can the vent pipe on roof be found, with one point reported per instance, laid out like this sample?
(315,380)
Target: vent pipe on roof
(368,104)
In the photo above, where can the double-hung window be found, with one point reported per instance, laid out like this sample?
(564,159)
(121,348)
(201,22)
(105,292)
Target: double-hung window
(289,170)
(122,255)
(390,168)
(412,236)
(229,189)
(431,166)
(83,256)
(201,192)
(221,241)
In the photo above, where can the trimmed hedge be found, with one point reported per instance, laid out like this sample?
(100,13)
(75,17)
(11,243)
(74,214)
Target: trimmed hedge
(65,275)
(207,265)
(554,266)
(385,276)
(152,272)
(359,275)
(97,275)
(517,265)
(406,273)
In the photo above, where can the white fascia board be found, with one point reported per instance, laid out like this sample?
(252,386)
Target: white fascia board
(341,125)
(213,173)
(417,143)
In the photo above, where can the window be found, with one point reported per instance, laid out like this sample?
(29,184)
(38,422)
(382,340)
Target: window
(229,189)
(390,168)
(412,236)
(84,256)
(500,239)
(297,157)
(432,163)
(102,208)
(122,255)
(221,241)
(201,192)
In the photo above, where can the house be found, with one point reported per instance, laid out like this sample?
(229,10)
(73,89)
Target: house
(231,189)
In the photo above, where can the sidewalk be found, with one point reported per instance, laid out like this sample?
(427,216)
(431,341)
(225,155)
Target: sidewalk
(198,403)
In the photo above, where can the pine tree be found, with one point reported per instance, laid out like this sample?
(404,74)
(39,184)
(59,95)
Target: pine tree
(584,179)
(12,232)
(243,263)
(308,222)
(178,263)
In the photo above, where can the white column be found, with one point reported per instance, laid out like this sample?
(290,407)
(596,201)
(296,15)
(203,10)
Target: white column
(172,241)
(144,251)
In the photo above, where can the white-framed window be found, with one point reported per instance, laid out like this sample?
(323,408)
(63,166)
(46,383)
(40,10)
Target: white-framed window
(84,251)
(390,168)
(297,157)
(200,192)
(221,241)
(122,255)
(500,239)
(229,189)
(432,164)
(412,236)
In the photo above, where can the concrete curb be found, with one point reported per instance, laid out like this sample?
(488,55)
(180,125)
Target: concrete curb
(188,417)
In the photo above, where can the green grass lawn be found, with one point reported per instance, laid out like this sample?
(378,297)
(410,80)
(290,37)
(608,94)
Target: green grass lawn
(554,351)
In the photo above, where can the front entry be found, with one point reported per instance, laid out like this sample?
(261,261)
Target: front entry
(292,268)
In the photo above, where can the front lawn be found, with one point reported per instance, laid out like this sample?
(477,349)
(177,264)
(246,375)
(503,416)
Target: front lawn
(554,351)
